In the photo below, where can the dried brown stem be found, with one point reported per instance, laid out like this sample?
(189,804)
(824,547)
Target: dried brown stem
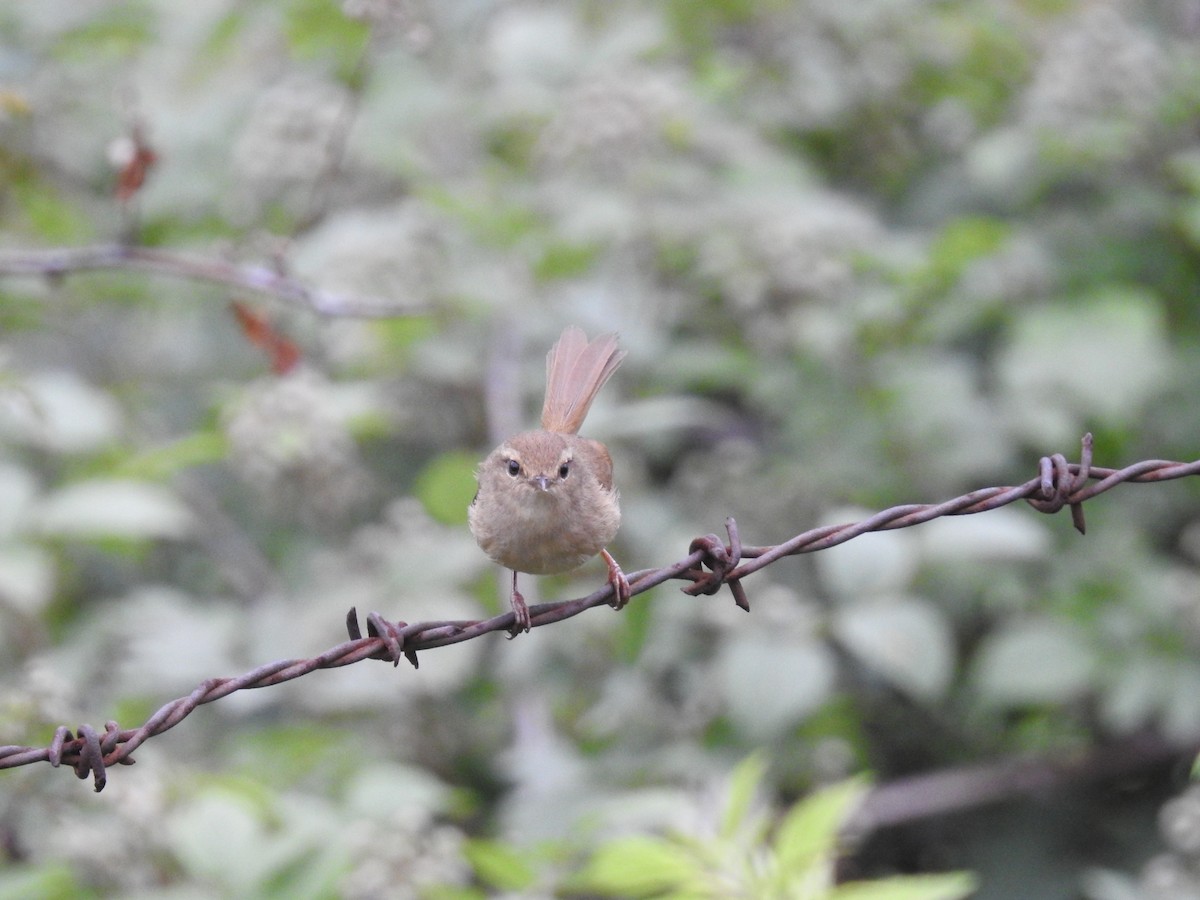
(259,279)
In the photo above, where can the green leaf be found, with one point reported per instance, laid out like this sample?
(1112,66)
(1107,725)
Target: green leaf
(808,834)
(565,261)
(492,221)
(638,867)
(113,508)
(247,789)
(50,882)
(117,32)
(768,684)
(159,463)
(48,215)
(401,334)
(499,865)
(698,25)
(968,238)
(514,143)
(743,788)
(1102,355)
(906,640)
(223,35)
(983,77)
(1188,220)
(960,243)
(282,755)
(445,487)
(951,886)
(637,627)
(318,29)
(172,230)
(449,892)
(19,311)
(1035,661)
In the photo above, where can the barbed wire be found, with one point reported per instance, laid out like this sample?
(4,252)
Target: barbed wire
(711,562)
(59,262)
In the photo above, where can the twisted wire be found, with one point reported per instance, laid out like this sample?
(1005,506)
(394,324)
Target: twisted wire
(711,563)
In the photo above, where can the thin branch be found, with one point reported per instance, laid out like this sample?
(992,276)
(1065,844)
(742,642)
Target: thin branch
(60,262)
(710,563)
(967,787)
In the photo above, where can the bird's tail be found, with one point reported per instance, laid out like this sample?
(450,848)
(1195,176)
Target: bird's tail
(575,372)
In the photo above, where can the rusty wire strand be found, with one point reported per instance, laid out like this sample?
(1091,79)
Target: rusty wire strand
(710,563)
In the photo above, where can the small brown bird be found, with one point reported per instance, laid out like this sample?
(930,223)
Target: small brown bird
(546,501)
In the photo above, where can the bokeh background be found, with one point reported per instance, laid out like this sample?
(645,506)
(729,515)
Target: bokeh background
(860,254)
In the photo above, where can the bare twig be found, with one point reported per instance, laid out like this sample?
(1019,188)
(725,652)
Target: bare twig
(66,261)
(709,564)
(966,787)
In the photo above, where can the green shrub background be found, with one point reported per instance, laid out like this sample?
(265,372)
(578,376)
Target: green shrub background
(860,254)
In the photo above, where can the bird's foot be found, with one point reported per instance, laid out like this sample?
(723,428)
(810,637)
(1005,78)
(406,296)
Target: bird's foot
(621,590)
(521,620)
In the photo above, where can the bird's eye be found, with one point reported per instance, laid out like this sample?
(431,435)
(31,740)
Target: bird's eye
(514,468)
(564,470)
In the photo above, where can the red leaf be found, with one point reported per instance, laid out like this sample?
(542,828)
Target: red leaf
(136,158)
(283,353)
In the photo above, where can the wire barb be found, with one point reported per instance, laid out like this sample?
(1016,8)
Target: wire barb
(721,560)
(1058,484)
(710,563)
(91,758)
(390,635)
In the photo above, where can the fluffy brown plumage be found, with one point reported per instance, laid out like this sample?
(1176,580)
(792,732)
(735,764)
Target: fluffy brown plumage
(546,501)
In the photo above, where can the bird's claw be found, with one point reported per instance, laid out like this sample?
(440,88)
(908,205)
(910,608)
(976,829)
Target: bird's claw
(521,619)
(616,577)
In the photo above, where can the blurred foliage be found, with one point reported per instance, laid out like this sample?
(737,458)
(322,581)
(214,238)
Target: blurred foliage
(743,860)
(860,254)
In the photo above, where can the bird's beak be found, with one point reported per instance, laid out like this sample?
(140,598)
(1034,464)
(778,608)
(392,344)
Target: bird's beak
(541,482)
